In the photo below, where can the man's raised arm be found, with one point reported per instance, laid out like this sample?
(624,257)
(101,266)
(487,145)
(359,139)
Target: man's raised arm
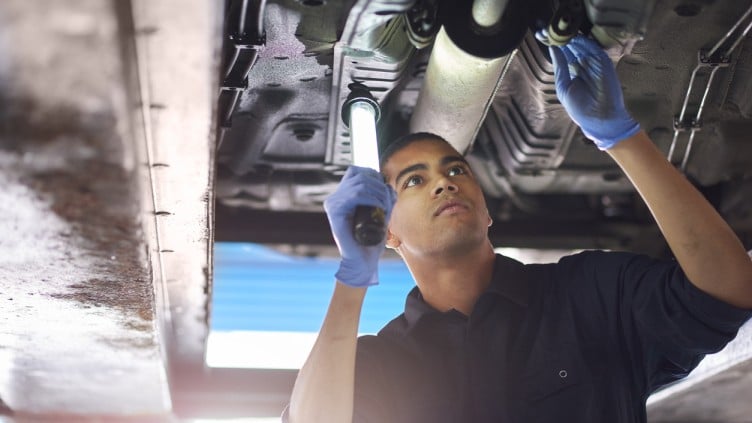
(706,248)
(323,391)
(324,388)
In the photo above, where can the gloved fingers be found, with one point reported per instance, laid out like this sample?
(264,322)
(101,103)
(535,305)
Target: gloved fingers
(361,181)
(586,46)
(589,73)
(599,70)
(596,65)
(357,176)
(369,197)
(343,203)
(590,56)
(542,36)
(352,171)
(571,58)
(562,77)
(598,75)
(582,47)
(572,62)
(359,187)
(587,67)
(373,192)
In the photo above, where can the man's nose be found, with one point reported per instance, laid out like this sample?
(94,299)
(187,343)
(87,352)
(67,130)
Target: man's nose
(444,184)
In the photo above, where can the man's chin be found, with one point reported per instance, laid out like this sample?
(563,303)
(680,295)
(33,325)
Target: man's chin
(452,241)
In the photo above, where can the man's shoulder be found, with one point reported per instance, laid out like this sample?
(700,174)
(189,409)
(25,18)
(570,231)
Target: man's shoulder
(396,328)
(575,274)
(388,341)
(589,260)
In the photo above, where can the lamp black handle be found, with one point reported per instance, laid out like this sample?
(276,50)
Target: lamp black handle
(368,225)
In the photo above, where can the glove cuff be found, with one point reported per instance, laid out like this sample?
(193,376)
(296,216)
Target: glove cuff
(356,277)
(604,142)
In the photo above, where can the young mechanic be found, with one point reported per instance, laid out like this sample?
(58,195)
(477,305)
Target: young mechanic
(485,338)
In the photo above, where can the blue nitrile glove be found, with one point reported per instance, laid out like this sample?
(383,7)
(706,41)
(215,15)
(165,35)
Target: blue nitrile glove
(588,88)
(359,187)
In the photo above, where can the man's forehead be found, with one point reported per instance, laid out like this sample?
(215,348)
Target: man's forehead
(423,150)
(427,152)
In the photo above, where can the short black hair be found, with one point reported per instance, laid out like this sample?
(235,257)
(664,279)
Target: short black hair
(404,141)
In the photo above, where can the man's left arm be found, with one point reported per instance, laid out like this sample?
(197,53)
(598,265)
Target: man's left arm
(708,251)
(706,248)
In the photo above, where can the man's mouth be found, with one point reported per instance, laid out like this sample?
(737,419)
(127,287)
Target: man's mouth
(449,207)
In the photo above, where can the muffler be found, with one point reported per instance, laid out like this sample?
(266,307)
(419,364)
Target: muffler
(470,55)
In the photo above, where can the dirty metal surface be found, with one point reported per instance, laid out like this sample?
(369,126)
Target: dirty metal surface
(78,335)
(722,398)
(717,391)
(175,48)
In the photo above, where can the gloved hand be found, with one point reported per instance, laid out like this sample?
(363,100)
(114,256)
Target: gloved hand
(359,187)
(588,88)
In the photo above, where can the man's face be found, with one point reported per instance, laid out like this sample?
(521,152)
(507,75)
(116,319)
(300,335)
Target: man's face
(440,207)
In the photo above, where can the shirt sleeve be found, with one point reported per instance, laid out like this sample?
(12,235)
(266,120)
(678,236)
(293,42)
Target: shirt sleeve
(665,323)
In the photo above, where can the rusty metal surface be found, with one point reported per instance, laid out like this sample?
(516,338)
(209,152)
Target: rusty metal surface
(172,57)
(175,52)
(77,325)
(105,264)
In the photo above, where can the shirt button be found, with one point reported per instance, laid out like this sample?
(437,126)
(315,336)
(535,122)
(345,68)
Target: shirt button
(563,374)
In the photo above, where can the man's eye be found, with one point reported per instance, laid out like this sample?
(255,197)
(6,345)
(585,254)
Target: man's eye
(412,181)
(456,170)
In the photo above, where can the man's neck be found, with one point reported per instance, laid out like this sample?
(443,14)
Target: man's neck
(455,282)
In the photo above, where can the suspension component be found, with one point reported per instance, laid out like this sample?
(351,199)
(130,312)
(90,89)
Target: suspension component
(566,22)
(246,37)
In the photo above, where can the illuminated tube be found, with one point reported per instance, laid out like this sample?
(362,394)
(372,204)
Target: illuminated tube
(363,135)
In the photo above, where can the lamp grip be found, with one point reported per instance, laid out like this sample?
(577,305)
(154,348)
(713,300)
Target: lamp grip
(368,225)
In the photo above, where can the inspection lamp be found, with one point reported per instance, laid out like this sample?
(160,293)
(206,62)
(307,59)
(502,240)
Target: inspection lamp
(360,112)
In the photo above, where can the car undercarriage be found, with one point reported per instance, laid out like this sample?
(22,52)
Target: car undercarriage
(282,146)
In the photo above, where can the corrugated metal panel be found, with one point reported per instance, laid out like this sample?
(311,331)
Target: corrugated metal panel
(259,289)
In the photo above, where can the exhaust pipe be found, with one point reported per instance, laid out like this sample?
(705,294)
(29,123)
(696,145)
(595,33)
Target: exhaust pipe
(470,55)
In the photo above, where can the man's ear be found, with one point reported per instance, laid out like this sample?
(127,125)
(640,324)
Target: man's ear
(391,240)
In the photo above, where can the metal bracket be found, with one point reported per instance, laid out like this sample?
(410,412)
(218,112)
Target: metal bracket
(687,124)
(708,59)
(246,52)
(713,59)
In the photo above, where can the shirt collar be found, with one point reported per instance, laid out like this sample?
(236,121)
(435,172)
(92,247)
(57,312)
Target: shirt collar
(508,280)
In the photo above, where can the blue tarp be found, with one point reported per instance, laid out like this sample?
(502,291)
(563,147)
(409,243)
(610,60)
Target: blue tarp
(259,289)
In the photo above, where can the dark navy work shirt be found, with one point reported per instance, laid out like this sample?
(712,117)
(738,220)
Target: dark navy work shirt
(583,340)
